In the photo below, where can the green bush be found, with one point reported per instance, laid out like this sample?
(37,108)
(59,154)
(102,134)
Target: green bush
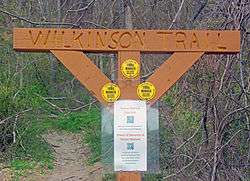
(88,123)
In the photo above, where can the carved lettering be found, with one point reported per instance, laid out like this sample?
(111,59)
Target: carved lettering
(47,37)
(42,37)
(181,39)
(113,40)
(89,38)
(125,39)
(141,38)
(101,40)
(214,41)
(194,41)
(78,38)
(220,46)
(97,40)
(55,39)
(67,40)
(58,39)
(207,40)
(165,37)
(35,40)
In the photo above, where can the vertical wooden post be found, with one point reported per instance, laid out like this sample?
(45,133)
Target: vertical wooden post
(128,176)
(127,86)
(128,91)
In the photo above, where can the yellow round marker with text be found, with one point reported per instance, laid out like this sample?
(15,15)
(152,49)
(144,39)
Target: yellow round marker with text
(146,91)
(130,69)
(111,92)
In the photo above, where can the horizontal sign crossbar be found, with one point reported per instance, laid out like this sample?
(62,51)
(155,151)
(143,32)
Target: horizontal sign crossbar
(100,40)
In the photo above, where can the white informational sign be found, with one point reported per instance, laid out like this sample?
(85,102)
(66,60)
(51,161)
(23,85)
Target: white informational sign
(130,135)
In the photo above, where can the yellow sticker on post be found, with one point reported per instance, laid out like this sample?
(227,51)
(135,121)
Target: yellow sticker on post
(146,91)
(111,92)
(130,69)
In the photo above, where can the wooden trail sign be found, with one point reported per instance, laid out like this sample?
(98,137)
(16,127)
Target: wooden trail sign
(99,40)
(68,46)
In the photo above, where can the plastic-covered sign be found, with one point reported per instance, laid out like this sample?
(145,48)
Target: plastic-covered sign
(109,162)
(130,135)
(146,91)
(130,68)
(111,92)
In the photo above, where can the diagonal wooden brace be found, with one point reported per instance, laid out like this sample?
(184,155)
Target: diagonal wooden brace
(171,70)
(84,70)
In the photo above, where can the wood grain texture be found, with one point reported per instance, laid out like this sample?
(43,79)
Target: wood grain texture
(128,86)
(171,71)
(101,40)
(128,91)
(84,70)
(129,176)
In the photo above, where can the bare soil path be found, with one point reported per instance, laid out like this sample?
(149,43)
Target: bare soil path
(70,160)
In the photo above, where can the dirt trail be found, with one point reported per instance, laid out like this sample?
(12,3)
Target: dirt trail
(70,160)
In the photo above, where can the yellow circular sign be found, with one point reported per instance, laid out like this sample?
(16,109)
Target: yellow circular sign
(130,68)
(146,91)
(110,92)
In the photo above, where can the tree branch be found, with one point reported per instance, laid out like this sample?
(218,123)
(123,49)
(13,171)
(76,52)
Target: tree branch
(177,14)
(50,23)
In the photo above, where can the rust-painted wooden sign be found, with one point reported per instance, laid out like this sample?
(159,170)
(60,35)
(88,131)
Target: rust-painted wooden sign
(100,40)
(69,45)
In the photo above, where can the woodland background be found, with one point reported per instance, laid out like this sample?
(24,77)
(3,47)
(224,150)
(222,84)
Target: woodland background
(205,126)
